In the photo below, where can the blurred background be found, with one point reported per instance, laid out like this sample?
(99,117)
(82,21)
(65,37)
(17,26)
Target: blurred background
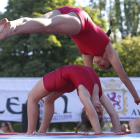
(34,55)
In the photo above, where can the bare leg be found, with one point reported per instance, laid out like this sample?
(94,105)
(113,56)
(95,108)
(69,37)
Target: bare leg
(19,21)
(37,93)
(135,125)
(68,24)
(48,111)
(8,27)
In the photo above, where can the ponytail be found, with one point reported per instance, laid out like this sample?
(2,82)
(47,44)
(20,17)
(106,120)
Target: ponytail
(79,125)
(85,124)
(110,27)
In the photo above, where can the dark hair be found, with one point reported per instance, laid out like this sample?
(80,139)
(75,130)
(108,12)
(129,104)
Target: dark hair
(85,124)
(9,126)
(109,66)
(109,31)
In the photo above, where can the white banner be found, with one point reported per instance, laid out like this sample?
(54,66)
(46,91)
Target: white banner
(121,98)
(14,93)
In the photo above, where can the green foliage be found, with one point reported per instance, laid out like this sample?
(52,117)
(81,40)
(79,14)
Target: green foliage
(27,8)
(100,4)
(93,13)
(63,127)
(17,127)
(34,55)
(132,11)
(52,40)
(125,15)
(128,52)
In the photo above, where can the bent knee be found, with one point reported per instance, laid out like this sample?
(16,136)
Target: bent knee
(32,97)
(25,19)
(48,100)
(64,24)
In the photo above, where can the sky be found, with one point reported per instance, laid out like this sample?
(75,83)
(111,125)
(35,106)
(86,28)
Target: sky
(3,3)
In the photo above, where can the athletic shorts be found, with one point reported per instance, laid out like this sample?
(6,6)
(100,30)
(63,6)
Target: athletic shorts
(54,81)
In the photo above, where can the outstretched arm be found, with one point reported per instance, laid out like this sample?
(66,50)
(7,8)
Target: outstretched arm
(48,110)
(117,65)
(92,115)
(112,112)
(88,60)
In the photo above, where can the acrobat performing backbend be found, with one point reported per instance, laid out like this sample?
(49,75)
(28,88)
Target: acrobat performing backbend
(66,79)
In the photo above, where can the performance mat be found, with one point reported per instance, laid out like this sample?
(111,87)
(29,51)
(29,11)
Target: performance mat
(69,136)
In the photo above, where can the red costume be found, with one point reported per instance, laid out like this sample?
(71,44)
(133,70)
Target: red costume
(91,39)
(67,78)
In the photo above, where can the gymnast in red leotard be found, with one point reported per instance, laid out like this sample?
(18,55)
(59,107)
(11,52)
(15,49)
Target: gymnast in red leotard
(90,39)
(66,79)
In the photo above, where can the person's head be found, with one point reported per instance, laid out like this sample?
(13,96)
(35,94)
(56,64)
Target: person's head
(102,62)
(109,31)
(124,127)
(99,109)
(85,124)
(6,127)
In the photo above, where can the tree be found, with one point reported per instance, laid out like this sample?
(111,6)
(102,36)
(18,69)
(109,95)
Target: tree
(125,15)
(132,11)
(100,5)
(128,52)
(34,55)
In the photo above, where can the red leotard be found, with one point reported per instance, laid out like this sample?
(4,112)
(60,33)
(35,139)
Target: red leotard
(91,39)
(67,78)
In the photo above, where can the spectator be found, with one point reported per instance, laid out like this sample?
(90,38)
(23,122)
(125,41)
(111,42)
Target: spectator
(125,127)
(6,127)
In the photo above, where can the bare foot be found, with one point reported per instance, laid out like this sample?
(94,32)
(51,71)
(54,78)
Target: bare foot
(8,30)
(135,125)
(41,131)
(2,24)
(30,133)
